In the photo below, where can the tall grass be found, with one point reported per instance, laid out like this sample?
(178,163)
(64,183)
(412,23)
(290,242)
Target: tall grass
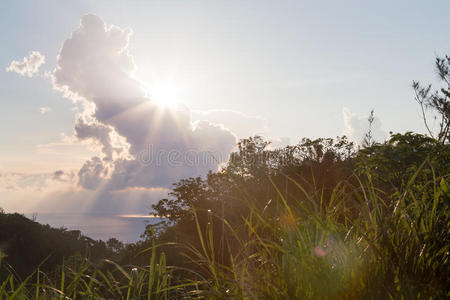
(360,243)
(80,279)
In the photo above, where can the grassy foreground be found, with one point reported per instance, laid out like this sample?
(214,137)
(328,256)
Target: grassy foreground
(363,248)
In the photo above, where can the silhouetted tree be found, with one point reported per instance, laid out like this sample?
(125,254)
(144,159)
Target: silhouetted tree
(438,101)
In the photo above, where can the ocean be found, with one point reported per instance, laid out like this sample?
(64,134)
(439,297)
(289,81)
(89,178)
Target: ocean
(126,228)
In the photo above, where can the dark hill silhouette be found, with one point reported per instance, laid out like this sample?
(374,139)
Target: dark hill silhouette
(27,244)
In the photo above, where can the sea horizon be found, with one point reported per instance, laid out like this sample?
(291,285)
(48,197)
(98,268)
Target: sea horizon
(99,226)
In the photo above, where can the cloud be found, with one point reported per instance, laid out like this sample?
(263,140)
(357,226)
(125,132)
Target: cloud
(102,135)
(45,110)
(93,172)
(35,181)
(356,127)
(29,66)
(242,125)
(276,143)
(58,192)
(143,145)
(68,150)
(62,176)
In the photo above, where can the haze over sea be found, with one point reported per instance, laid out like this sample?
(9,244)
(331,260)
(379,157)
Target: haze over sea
(126,228)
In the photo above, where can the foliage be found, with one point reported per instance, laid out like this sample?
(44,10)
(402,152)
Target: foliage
(391,164)
(27,244)
(438,101)
(80,279)
(380,234)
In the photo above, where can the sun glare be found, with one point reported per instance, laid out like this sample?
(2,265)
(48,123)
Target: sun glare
(165,94)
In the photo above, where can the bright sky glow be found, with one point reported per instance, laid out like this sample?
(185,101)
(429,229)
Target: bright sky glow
(166,93)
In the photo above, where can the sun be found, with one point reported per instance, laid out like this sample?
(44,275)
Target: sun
(165,94)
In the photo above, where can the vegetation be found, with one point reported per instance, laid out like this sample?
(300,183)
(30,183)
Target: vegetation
(28,244)
(318,220)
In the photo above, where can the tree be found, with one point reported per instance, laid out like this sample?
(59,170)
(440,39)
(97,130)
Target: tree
(114,245)
(393,163)
(437,101)
(368,137)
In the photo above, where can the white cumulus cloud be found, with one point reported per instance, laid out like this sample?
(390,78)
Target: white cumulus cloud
(242,125)
(45,110)
(356,127)
(29,66)
(143,145)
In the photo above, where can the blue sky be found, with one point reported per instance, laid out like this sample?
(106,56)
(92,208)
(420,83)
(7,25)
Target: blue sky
(292,66)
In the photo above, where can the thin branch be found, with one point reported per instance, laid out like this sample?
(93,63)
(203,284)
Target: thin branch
(423,111)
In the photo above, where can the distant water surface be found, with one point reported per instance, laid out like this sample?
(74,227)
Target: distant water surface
(126,228)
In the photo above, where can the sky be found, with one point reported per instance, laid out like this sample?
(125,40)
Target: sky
(104,104)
